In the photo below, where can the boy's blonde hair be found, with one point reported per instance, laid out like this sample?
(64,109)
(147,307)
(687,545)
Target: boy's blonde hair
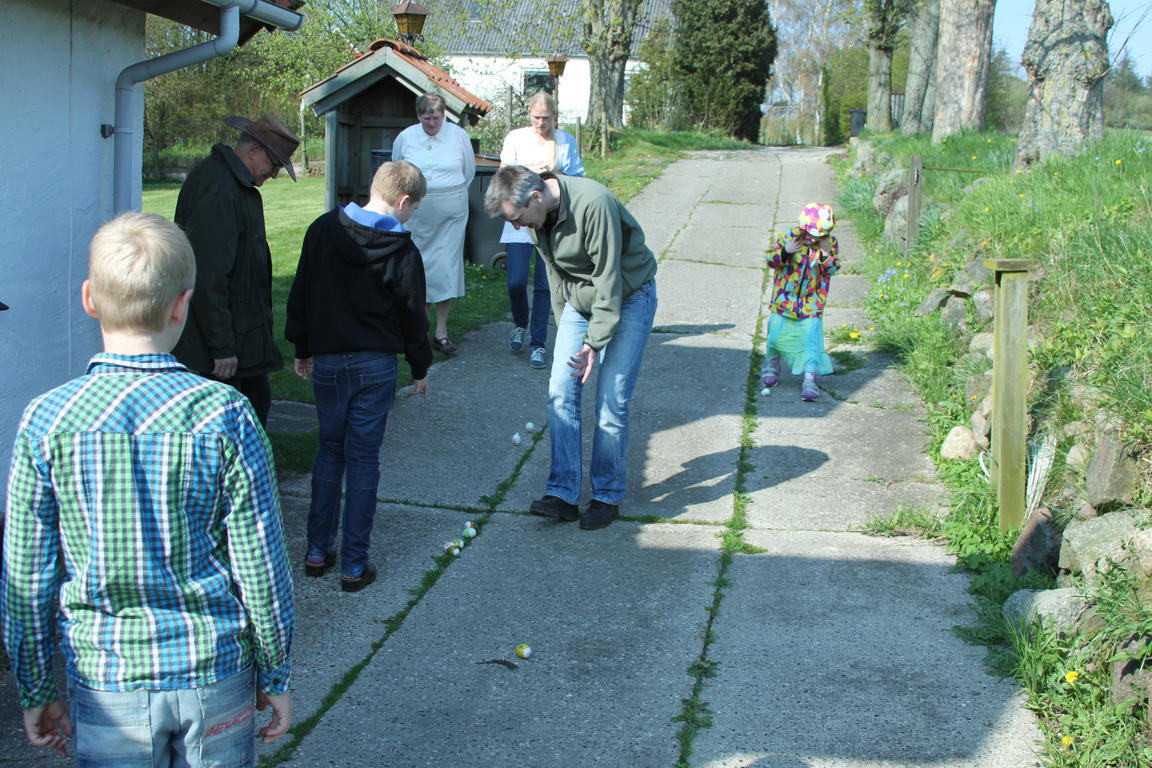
(398,178)
(138,264)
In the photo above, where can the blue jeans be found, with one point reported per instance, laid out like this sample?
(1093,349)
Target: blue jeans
(619,365)
(208,727)
(519,261)
(354,392)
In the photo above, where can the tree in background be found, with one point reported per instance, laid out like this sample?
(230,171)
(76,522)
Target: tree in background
(808,33)
(963,60)
(723,56)
(606,36)
(920,86)
(1127,98)
(1007,95)
(883,20)
(1066,58)
(653,100)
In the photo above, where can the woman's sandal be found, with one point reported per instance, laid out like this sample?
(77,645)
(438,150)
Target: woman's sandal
(444,345)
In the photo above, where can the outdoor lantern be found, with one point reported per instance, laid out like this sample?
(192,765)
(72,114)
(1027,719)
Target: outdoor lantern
(556,65)
(409,20)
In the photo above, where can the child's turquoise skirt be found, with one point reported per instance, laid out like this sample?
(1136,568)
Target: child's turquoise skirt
(799,342)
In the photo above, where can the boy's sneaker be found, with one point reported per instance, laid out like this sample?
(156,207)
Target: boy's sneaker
(536,360)
(554,506)
(516,340)
(809,391)
(366,577)
(318,566)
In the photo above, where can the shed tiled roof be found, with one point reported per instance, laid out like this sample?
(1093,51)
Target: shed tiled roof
(406,63)
(524,27)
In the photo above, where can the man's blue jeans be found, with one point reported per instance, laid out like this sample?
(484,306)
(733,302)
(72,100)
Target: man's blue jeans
(207,727)
(354,392)
(519,260)
(619,365)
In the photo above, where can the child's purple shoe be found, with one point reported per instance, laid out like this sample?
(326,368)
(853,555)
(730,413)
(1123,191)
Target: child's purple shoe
(769,379)
(809,391)
(770,372)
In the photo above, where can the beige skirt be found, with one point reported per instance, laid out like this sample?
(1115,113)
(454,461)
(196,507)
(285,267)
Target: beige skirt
(437,228)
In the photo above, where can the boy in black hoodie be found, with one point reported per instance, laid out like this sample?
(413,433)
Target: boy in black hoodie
(356,303)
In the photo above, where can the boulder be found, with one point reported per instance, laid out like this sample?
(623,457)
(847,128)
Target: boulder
(978,387)
(1111,475)
(983,343)
(932,302)
(959,444)
(955,314)
(972,278)
(1131,679)
(981,429)
(1086,512)
(892,184)
(983,304)
(1037,547)
(896,224)
(1078,456)
(1060,610)
(1089,545)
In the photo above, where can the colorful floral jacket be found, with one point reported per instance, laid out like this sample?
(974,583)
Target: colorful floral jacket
(800,288)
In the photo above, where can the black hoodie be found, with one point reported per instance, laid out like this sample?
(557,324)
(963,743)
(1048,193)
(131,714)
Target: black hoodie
(358,289)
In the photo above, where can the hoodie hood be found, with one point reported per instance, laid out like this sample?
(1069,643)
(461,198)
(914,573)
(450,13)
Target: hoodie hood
(367,245)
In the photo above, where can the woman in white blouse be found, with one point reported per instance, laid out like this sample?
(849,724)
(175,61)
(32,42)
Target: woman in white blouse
(443,152)
(543,148)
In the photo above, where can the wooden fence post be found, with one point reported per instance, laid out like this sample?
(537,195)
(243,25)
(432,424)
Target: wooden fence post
(915,198)
(1010,389)
(579,137)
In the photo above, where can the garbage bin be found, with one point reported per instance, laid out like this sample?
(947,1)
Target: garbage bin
(858,117)
(482,237)
(379,157)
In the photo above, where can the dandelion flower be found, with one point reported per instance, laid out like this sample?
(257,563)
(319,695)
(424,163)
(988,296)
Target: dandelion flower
(864,357)
(1019,170)
(871,329)
(1072,676)
(854,335)
(1066,741)
(986,210)
(983,242)
(973,157)
(989,141)
(905,274)
(1019,194)
(1118,161)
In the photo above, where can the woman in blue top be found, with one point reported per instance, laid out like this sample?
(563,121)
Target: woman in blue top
(540,147)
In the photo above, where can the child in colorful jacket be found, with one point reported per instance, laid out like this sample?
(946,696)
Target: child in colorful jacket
(804,260)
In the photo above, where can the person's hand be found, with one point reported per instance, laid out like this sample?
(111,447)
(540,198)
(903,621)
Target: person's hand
(281,715)
(224,368)
(583,362)
(303,367)
(825,244)
(418,387)
(49,727)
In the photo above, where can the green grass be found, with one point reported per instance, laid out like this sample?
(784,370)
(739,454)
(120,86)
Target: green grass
(1086,223)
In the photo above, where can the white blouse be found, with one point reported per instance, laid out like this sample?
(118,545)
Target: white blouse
(446,159)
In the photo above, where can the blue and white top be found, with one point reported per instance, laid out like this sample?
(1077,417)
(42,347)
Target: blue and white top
(524,146)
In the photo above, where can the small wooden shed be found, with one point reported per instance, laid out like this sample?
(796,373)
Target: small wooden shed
(368,102)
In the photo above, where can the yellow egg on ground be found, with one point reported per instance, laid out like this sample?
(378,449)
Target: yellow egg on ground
(523,650)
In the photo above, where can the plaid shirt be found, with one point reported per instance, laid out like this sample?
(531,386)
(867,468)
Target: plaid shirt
(143,516)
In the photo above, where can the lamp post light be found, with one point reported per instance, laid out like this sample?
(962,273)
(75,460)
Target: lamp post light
(556,64)
(409,18)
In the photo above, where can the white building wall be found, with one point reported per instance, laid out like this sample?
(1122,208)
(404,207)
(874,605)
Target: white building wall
(490,76)
(58,65)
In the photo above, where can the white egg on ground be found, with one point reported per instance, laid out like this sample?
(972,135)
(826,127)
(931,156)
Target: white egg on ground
(516,439)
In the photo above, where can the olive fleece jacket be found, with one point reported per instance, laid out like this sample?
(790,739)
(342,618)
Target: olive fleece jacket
(595,253)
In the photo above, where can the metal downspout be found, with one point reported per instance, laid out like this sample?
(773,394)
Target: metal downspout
(129,99)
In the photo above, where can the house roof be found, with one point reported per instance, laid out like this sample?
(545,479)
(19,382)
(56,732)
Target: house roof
(205,16)
(521,28)
(406,64)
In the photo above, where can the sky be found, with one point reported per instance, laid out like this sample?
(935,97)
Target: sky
(1013,17)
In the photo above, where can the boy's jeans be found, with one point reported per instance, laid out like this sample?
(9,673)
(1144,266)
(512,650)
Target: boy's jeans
(187,728)
(619,365)
(520,258)
(354,392)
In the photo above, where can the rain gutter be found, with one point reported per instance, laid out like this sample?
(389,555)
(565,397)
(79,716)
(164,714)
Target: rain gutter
(129,99)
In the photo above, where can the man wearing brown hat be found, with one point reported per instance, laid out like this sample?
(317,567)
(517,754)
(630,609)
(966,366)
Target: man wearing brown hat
(229,332)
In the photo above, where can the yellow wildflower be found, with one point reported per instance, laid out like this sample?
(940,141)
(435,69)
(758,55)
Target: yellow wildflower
(864,357)
(871,329)
(973,157)
(986,210)
(1019,170)
(1118,162)
(1072,676)
(1066,741)
(854,335)
(905,274)
(1019,194)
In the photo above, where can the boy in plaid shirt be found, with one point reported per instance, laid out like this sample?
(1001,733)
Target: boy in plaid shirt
(144,535)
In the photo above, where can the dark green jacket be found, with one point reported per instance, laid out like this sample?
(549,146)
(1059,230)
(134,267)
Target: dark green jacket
(595,253)
(221,211)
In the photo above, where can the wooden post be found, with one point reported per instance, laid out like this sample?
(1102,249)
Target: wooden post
(1010,389)
(915,198)
(604,138)
(303,140)
(579,137)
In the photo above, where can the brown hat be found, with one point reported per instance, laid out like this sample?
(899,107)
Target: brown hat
(278,140)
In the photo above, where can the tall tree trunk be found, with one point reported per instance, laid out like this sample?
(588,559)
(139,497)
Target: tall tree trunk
(879,89)
(606,37)
(1066,58)
(963,61)
(921,62)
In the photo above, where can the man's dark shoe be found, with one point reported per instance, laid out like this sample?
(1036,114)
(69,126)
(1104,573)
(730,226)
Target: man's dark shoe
(599,515)
(317,568)
(366,577)
(554,506)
